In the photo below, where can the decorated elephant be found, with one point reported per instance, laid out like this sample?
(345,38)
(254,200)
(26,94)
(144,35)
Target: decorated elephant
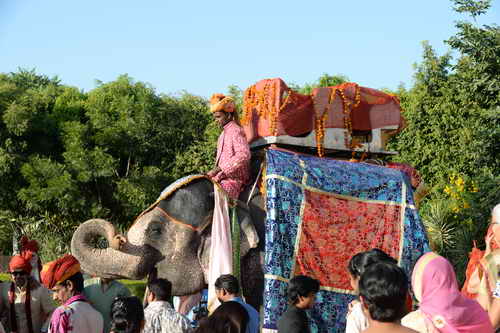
(317,213)
(173,236)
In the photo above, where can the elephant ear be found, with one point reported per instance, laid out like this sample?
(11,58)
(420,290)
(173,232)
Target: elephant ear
(249,238)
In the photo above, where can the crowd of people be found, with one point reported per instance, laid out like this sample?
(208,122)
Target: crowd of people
(100,305)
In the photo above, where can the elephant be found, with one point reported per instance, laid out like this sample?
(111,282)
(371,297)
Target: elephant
(172,239)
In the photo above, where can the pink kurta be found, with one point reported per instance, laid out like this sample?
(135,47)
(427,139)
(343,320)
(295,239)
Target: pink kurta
(76,315)
(233,157)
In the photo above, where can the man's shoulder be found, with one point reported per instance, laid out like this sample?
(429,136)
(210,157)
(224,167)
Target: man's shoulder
(250,309)
(159,308)
(233,128)
(294,312)
(83,308)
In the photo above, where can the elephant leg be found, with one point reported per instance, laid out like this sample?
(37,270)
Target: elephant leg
(253,279)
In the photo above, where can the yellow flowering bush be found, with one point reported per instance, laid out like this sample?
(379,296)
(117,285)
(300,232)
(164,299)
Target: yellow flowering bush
(459,192)
(457,213)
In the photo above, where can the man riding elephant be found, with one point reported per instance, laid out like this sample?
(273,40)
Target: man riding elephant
(233,153)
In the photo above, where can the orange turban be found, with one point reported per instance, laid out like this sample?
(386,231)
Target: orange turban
(20,263)
(219,102)
(59,270)
(22,260)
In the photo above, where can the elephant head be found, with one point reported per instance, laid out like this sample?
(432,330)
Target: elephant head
(173,236)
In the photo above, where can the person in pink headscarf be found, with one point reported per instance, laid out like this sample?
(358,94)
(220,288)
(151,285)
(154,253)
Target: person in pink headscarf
(442,307)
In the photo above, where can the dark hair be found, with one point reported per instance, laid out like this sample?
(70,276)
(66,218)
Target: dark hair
(77,280)
(161,288)
(229,283)
(301,285)
(384,287)
(229,317)
(362,260)
(127,315)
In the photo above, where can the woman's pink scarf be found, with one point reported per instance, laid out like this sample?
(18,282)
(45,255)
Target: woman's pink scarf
(444,307)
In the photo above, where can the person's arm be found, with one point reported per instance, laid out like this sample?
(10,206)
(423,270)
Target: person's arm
(356,320)
(2,298)
(47,306)
(494,312)
(185,324)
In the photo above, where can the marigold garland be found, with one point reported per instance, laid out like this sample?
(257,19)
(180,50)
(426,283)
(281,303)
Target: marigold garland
(320,121)
(263,101)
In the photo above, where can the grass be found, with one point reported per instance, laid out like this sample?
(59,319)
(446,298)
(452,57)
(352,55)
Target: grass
(137,288)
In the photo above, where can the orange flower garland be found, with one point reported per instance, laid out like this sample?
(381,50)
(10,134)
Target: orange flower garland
(347,118)
(320,122)
(263,102)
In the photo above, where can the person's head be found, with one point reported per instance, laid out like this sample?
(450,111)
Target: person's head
(359,262)
(229,317)
(226,287)
(432,272)
(159,290)
(383,288)
(63,277)
(127,315)
(436,288)
(495,214)
(68,288)
(302,291)
(223,109)
(20,269)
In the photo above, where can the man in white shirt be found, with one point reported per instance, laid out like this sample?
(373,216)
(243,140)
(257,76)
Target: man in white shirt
(159,314)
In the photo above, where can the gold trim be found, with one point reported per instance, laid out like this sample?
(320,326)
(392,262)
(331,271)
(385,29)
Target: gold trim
(402,218)
(299,226)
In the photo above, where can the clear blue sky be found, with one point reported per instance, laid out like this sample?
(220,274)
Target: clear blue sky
(204,46)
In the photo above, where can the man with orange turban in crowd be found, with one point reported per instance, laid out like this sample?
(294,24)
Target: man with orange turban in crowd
(75,315)
(233,153)
(28,303)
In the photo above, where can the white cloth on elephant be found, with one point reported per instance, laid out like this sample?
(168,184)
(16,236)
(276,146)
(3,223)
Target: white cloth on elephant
(221,252)
(184,304)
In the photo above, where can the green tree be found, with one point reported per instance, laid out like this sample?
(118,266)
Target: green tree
(325,80)
(67,156)
(453,117)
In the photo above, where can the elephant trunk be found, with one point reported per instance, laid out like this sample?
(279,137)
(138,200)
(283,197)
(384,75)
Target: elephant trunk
(121,260)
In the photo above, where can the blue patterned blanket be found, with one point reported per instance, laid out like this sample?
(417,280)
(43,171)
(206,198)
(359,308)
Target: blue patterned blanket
(320,212)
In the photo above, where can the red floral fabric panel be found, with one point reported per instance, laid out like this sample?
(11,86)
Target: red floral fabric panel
(334,229)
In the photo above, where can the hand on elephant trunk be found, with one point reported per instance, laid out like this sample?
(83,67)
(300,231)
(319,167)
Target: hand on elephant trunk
(117,242)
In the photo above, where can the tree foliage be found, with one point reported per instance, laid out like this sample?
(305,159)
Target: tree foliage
(453,133)
(67,156)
